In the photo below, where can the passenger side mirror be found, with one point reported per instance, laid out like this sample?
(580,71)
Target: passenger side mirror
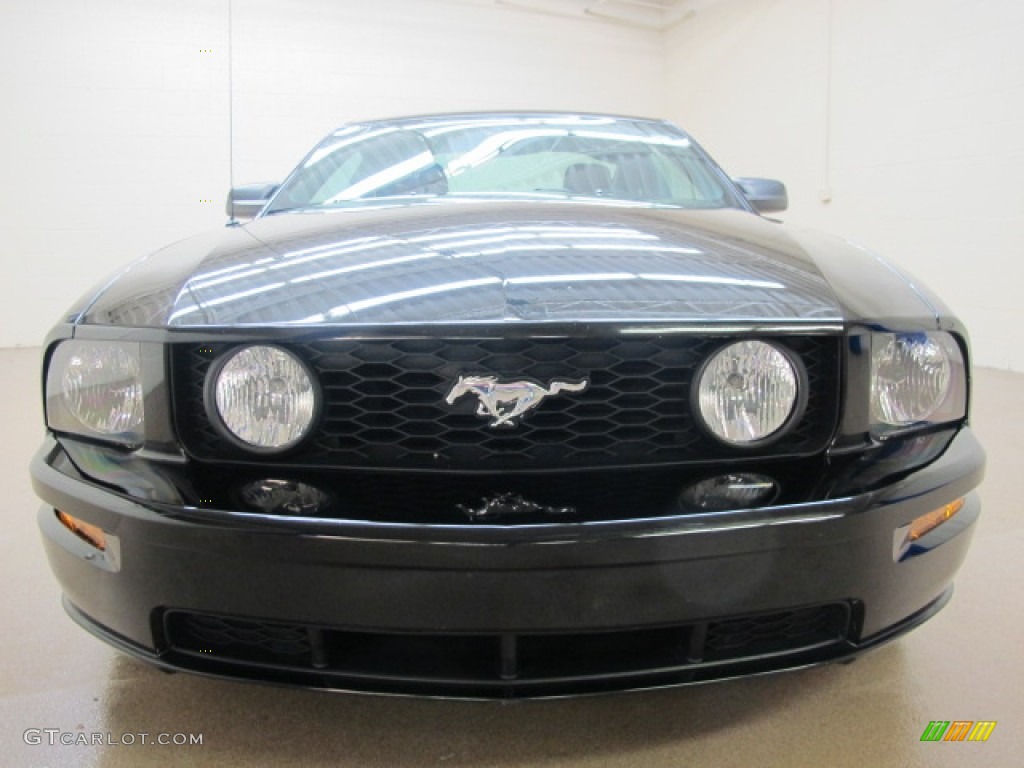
(766,195)
(246,201)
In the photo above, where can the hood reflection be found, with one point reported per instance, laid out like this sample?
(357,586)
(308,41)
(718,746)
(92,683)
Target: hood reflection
(431,263)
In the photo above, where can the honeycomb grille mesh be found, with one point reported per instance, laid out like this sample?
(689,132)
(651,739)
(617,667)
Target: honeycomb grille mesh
(726,639)
(250,640)
(384,402)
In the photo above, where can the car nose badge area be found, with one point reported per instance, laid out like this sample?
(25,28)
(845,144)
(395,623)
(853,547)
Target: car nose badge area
(510,505)
(505,402)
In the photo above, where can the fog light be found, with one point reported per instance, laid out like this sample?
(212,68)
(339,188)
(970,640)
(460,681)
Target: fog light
(725,492)
(748,392)
(929,522)
(263,397)
(285,497)
(91,533)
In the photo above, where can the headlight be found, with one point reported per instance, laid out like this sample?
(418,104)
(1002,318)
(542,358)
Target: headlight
(263,397)
(94,388)
(747,392)
(916,378)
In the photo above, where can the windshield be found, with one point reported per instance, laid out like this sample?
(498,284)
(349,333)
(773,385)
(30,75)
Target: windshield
(530,157)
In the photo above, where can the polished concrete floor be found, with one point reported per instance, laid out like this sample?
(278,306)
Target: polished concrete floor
(965,664)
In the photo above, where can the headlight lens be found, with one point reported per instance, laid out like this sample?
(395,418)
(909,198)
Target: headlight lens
(916,378)
(94,388)
(264,397)
(747,392)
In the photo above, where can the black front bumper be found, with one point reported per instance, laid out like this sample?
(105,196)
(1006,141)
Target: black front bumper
(517,610)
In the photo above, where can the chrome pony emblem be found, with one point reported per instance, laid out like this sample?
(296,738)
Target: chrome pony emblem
(503,403)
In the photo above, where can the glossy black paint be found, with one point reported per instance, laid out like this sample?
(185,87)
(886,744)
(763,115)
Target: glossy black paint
(549,577)
(396,550)
(476,263)
(374,268)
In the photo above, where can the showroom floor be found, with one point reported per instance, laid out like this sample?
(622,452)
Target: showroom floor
(963,665)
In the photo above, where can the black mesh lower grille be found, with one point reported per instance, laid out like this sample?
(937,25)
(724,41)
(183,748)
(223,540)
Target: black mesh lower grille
(507,664)
(246,640)
(384,403)
(767,633)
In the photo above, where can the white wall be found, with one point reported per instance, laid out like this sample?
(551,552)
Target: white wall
(113,129)
(914,121)
(114,135)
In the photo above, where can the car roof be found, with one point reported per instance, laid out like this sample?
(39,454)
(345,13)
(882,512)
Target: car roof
(483,115)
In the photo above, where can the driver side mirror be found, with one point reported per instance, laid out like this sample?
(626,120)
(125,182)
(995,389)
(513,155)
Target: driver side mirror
(248,200)
(766,195)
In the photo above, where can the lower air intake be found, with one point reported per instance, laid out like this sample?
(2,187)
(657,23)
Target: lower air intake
(506,665)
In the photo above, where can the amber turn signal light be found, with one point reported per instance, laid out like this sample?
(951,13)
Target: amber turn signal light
(86,531)
(929,522)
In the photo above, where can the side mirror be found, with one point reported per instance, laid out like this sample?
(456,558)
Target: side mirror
(766,195)
(248,200)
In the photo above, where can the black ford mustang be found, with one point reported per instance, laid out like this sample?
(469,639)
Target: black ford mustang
(506,405)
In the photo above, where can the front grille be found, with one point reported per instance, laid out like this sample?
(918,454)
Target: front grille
(248,640)
(507,665)
(767,633)
(385,403)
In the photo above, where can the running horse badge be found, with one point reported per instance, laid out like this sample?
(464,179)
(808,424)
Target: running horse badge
(505,402)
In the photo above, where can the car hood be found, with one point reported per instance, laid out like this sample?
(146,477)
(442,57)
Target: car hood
(501,262)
